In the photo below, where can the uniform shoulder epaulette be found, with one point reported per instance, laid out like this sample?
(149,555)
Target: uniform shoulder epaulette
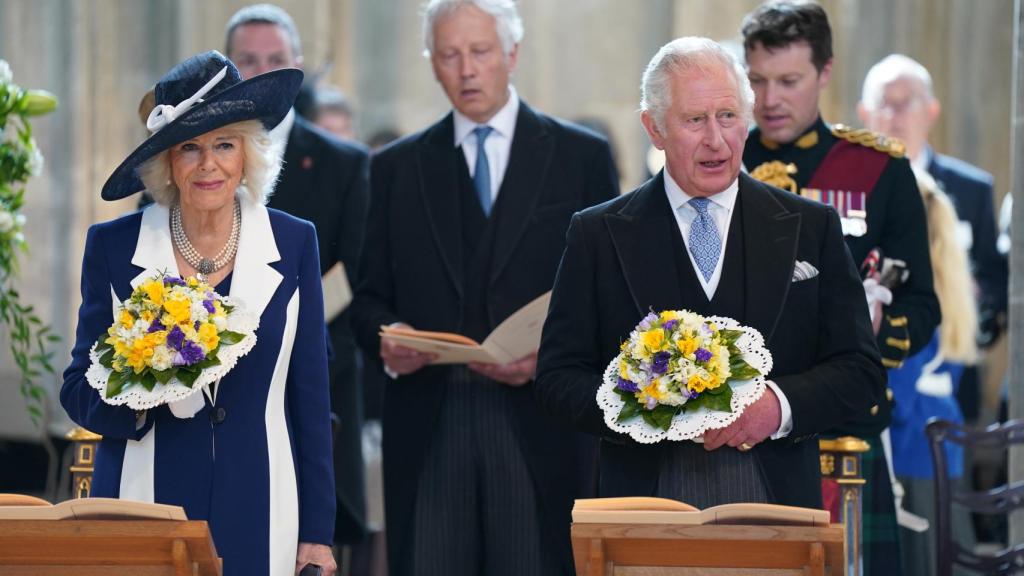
(892,146)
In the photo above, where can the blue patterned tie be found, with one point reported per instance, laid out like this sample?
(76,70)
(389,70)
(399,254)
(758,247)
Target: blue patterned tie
(705,245)
(482,174)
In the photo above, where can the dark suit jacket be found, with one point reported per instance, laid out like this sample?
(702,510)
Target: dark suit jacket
(618,266)
(326,181)
(970,189)
(413,273)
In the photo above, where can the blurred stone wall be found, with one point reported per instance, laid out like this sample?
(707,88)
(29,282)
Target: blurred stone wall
(579,58)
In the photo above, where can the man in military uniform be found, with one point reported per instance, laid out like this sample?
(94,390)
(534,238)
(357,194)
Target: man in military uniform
(865,177)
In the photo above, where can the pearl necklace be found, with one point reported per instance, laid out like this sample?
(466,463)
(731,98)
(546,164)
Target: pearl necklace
(204,266)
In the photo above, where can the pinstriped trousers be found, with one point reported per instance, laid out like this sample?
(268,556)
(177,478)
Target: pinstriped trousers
(700,478)
(476,509)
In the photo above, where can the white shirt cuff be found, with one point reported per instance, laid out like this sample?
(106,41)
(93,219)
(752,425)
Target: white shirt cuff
(786,422)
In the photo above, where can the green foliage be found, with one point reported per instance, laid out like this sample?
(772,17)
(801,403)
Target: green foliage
(31,339)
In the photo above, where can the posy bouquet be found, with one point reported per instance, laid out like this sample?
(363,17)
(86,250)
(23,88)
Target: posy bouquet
(170,338)
(680,374)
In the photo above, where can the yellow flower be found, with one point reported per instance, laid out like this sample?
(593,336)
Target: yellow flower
(696,383)
(687,346)
(138,354)
(654,340)
(192,281)
(147,315)
(127,320)
(154,339)
(668,315)
(180,310)
(208,336)
(652,391)
(154,290)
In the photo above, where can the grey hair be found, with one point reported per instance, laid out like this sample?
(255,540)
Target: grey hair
(332,99)
(682,56)
(889,69)
(505,13)
(261,168)
(264,14)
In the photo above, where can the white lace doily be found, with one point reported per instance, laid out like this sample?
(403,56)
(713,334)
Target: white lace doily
(138,398)
(692,425)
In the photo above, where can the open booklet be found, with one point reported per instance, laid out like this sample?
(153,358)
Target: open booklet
(516,337)
(641,510)
(337,291)
(94,509)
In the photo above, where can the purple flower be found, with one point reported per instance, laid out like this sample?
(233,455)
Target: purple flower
(702,355)
(208,304)
(190,354)
(173,280)
(175,338)
(627,385)
(650,320)
(692,394)
(660,364)
(156,326)
(670,325)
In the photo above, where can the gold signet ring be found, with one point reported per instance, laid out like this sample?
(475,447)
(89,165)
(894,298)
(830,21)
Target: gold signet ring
(744,447)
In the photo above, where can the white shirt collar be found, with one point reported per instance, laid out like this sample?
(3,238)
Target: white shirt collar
(503,123)
(279,134)
(678,198)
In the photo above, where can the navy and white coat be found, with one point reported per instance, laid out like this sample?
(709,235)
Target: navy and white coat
(256,462)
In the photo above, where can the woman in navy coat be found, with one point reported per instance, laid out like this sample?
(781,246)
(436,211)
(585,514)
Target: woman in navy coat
(251,454)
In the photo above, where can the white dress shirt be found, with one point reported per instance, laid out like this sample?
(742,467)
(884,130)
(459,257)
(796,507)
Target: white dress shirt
(498,143)
(720,209)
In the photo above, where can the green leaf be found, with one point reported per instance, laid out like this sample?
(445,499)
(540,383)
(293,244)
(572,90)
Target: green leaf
(187,376)
(115,383)
(741,370)
(228,337)
(729,335)
(663,415)
(163,376)
(210,361)
(107,358)
(148,380)
(629,410)
(721,402)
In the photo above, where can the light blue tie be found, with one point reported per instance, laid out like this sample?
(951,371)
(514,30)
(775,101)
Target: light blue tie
(482,174)
(705,245)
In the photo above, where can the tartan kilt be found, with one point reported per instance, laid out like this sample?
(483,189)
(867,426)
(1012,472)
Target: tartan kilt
(880,533)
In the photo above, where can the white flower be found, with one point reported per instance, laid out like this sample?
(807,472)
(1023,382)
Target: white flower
(6,222)
(35,160)
(221,323)
(5,72)
(162,358)
(19,220)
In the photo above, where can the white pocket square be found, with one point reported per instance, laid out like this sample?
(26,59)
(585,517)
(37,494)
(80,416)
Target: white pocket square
(804,271)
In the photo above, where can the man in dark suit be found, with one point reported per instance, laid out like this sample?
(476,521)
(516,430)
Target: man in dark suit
(897,100)
(704,237)
(326,181)
(467,224)
(865,176)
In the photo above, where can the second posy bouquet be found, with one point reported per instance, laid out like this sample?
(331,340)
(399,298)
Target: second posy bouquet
(677,366)
(170,338)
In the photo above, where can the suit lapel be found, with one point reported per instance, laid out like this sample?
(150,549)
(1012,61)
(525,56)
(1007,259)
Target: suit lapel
(154,252)
(438,181)
(640,232)
(770,236)
(254,281)
(296,177)
(529,158)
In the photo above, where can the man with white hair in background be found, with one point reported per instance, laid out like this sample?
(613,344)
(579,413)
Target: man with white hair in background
(703,236)
(467,225)
(898,100)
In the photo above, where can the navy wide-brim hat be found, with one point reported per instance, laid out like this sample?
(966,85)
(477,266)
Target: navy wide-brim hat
(199,95)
